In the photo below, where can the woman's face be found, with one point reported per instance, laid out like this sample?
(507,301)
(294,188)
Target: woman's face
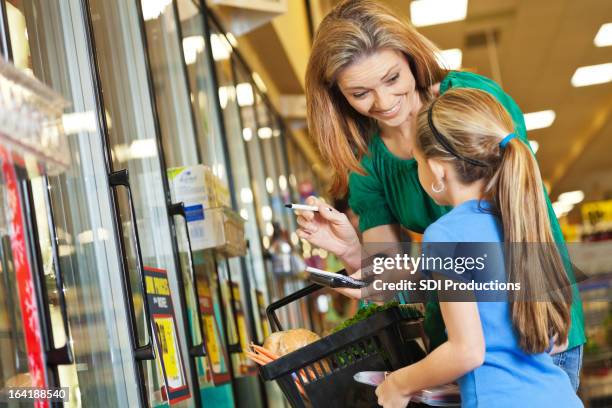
(382,87)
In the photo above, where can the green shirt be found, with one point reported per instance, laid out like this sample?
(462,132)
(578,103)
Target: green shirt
(390,193)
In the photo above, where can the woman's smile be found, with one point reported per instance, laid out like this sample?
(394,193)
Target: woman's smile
(389,113)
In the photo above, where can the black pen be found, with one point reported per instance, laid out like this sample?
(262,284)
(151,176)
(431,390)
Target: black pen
(303,207)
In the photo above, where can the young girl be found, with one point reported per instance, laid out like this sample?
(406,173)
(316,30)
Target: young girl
(470,158)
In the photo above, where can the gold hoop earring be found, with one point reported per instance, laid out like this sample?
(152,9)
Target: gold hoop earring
(437,190)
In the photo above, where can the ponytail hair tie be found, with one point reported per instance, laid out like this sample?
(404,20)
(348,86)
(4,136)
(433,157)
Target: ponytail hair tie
(506,140)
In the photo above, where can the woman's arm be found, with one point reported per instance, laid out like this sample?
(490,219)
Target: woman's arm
(383,234)
(463,352)
(331,230)
(389,233)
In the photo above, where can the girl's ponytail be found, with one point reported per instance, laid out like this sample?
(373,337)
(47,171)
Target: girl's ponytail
(543,307)
(471,131)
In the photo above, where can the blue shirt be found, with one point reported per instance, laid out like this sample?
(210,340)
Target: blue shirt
(509,377)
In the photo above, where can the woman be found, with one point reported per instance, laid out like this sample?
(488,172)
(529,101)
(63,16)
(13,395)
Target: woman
(469,158)
(368,75)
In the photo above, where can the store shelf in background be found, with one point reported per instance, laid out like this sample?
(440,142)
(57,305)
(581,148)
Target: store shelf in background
(596,389)
(211,221)
(593,268)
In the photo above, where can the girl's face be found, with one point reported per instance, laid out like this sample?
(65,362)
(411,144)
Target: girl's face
(382,87)
(432,175)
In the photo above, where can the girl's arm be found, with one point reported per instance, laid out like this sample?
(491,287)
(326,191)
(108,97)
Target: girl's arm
(463,352)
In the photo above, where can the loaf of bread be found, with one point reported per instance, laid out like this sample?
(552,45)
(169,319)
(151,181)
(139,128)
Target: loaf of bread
(284,342)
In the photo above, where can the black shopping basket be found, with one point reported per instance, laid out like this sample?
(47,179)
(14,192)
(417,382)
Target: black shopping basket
(321,373)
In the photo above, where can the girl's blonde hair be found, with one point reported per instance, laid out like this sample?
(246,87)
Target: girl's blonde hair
(471,124)
(354,29)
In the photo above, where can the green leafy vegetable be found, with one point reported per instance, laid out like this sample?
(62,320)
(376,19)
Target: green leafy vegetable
(371,309)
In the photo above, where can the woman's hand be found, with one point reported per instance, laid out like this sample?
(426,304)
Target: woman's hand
(349,292)
(328,229)
(390,394)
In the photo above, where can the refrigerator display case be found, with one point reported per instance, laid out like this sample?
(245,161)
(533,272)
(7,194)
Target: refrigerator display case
(190,189)
(136,168)
(238,285)
(67,223)
(270,191)
(132,308)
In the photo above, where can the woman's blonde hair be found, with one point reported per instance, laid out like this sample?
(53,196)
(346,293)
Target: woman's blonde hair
(470,125)
(354,29)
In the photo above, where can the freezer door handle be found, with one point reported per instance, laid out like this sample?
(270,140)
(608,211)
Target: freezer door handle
(54,356)
(120,178)
(233,348)
(195,350)
(62,355)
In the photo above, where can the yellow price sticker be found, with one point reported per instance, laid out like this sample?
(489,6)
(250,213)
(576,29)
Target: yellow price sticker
(169,346)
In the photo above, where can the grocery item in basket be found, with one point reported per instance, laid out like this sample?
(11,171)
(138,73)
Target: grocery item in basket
(284,342)
(373,308)
(444,396)
(373,378)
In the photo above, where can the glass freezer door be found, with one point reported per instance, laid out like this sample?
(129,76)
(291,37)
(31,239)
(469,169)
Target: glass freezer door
(71,223)
(183,117)
(137,178)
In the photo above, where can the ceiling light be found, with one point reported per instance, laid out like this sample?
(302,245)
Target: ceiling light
(322,304)
(85,237)
(450,58)
(282,182)
(604,36)
(121,152)
(571,197)
(430,12)
(143,148)
(246,195)
(562,208)
(266,213)
(535,146)
(221,48)
(259,82)
(269,229)
(244,214)
(231,39)
(226,93)
(269,185)
(151,9)
(592,75)
(218,170)
(192,46)
(244,92)
(264,132)
(247,134)
(539,120)
(76,122)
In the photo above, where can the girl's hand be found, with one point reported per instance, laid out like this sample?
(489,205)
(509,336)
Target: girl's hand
(390,394)
(328,229)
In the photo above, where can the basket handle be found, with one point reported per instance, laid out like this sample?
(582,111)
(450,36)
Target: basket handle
(271,309)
